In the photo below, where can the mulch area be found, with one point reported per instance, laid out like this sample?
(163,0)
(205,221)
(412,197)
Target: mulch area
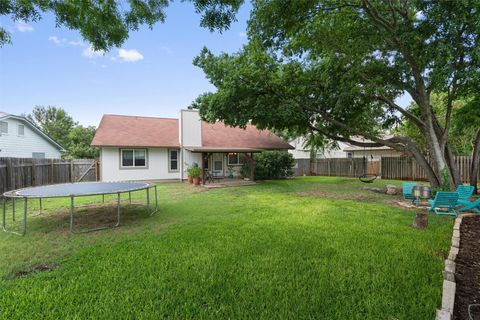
(467,272)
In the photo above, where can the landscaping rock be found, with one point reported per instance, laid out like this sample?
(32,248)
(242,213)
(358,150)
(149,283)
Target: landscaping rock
(391,189)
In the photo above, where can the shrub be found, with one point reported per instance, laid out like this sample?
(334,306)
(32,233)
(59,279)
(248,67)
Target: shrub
(271,165)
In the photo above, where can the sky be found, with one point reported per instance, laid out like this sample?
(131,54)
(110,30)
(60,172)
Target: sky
(150,75)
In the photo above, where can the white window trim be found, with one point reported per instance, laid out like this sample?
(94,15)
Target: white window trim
(133,166)
(18,130)
(238,159)
(170,162)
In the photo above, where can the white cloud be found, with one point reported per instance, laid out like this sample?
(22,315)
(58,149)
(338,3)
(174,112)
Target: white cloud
(129,55)
(167,50)
(242,34)
(23,27)
(63,41)
(55,40)
(76,43)
(90,53)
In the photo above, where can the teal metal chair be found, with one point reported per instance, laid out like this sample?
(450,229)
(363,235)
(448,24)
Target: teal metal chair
(444,203)
(407,189)
(464,194)
(471,206)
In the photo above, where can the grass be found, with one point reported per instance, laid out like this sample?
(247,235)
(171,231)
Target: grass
(313,247)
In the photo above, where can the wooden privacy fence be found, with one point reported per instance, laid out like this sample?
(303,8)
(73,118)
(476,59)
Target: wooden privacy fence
(18,173)
(405,168)
(399,168)
(342,167)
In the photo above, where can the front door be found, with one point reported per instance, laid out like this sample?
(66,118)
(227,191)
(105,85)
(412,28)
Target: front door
(217,164)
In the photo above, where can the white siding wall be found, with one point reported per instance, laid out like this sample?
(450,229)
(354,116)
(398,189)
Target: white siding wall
(188,159)
(376,154)
(157,166)
(13,145)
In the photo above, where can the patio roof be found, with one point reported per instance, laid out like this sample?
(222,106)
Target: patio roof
(221,149)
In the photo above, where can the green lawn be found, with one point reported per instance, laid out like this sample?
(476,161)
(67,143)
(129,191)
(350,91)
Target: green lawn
(306,248)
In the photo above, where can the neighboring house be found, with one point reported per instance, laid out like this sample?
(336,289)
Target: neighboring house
(344,150)
(147,148)
(20,138)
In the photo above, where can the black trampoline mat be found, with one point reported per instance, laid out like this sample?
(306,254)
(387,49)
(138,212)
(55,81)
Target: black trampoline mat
(76,189)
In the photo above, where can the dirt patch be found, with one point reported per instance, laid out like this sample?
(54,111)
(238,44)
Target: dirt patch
(467,275)
(91,216)
(34,269)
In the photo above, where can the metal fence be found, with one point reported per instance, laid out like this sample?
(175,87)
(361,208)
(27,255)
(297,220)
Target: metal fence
(18,173)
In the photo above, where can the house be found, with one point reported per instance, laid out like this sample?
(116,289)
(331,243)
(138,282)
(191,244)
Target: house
(344,150)
(20,138)
(147,148)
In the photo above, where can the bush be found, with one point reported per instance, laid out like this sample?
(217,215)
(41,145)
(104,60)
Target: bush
(271,165)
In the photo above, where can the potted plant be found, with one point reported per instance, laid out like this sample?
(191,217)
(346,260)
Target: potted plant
(195,172)
(190,177)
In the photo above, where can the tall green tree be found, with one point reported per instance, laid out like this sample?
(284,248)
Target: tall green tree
(107,23)
(54,121)
(334,69)
(79,147)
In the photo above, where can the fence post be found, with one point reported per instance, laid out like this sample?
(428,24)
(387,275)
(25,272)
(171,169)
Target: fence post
(52,177)
(10,177)
(71,171)
(34,173)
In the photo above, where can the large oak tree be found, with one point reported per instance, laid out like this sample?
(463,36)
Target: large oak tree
(334,70)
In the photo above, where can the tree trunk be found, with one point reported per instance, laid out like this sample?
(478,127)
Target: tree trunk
(455,174)
(475,161)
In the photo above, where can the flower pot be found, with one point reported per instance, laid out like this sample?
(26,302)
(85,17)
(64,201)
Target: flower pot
(190,180)
(196,181)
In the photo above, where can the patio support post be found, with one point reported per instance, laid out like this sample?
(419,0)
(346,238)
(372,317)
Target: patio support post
(252,178)
(203,167)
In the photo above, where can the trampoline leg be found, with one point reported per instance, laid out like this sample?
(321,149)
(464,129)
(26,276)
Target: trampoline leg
(71,213)
(25,207)
(13,209)
(103,198)
(156,198)
(4,205)
(130,197)
(118,210)
(41,207)
(148,198)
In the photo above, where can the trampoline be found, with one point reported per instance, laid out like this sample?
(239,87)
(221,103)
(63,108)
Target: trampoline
(73,190)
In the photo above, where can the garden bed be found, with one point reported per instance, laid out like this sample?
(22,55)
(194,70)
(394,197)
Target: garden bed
(467,273)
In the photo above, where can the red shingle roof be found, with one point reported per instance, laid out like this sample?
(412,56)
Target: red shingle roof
(132,131)
(218,135)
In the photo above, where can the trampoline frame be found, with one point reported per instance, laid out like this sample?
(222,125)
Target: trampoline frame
(12,195)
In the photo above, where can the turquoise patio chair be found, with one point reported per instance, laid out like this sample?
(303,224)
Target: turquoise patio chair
(447,201)
(464,194)
(471,206)
(407,189)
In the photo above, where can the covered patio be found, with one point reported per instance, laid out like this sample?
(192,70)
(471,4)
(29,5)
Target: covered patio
(216,160)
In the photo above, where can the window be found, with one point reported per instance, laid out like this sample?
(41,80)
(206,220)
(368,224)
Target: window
(3,127)
(21,130)
(236,159)
(172,160)
(134,158)
(349,155)
(38,155)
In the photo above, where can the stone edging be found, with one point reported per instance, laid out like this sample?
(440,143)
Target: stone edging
(449,285)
